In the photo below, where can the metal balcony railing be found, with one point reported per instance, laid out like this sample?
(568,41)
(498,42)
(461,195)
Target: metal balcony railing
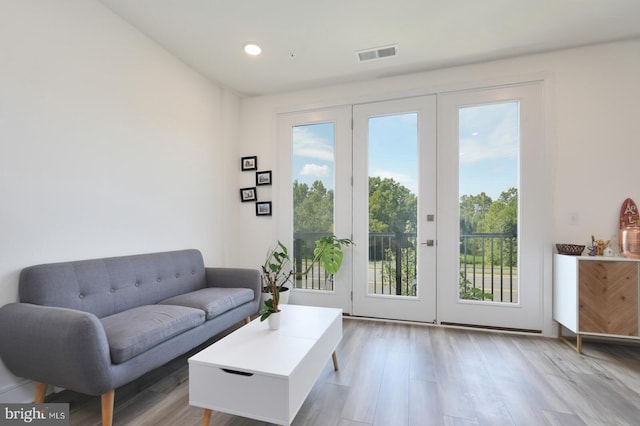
(316,278)
(488,265)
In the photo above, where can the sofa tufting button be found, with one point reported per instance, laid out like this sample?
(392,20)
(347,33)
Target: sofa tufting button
(111,290)
(81,296)
(158,280)
(137,284)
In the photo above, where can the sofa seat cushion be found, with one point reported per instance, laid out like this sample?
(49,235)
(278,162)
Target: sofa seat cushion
(136,330)
(213,300)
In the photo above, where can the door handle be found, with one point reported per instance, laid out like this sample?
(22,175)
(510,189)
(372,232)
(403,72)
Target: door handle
(429,243)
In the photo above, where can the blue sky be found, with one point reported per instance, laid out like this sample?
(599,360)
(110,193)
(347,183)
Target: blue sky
(488,149)
(393,148)
(313,148)
(489,146)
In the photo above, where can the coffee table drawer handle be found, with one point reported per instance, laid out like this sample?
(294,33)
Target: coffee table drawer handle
(239,373)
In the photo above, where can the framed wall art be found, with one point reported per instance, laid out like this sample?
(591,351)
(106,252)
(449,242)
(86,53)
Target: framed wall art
(263,208)
(248,194)
(263,178)
(249,163)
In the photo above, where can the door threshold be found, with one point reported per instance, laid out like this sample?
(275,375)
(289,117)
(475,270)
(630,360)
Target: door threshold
(491,328)
(449,325)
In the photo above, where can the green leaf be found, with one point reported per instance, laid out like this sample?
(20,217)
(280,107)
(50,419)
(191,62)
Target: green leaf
(265,315)
(328,252)
(283,248)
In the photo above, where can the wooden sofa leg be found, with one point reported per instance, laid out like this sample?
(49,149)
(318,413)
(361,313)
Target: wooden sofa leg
(107,407)
(41,392)
(247,320)
(206,417)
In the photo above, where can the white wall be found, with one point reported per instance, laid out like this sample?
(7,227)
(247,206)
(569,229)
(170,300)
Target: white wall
(108,145)
(592,97)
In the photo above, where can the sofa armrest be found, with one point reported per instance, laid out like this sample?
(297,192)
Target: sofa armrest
(235,278)
(58,346)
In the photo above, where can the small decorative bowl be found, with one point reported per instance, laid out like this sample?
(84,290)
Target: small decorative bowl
(570,249)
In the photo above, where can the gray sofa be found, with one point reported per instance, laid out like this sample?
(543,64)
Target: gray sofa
(94,325)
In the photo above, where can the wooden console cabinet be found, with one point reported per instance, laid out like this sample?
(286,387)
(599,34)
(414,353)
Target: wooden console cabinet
(596,296)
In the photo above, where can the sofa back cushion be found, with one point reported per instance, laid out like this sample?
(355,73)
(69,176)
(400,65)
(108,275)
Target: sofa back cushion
(111,285)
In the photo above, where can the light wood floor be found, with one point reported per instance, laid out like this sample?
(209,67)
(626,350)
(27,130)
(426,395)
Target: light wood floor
(399,374)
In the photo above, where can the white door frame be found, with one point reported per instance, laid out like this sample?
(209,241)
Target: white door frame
(534,190)
(340,297)
(422,307)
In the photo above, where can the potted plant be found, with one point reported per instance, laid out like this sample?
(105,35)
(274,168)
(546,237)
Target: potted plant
(277,269)
(273,278)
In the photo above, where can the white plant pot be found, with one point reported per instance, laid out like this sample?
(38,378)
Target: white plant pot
(263,298)
(284,297)
(274,320)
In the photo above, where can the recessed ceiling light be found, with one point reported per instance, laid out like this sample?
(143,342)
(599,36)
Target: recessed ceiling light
(252,49)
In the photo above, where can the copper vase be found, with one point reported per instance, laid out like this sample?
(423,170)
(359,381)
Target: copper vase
(629,241)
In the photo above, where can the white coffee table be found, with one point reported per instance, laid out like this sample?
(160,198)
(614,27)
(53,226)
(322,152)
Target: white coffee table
(266,374)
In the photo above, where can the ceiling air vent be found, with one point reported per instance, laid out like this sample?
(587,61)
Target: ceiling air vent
(377,53)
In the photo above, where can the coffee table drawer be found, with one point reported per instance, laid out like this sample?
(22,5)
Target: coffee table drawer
(257,396)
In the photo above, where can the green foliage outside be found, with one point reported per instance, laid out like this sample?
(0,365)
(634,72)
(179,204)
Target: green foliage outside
(468,292)
(479,214)
(393,209)
(313,207)
(392,206)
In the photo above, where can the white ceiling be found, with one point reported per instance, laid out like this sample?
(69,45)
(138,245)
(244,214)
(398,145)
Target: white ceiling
(313,43)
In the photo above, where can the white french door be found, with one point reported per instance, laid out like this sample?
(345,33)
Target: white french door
(445,197)
(314,198)
(394,209)
(492,204)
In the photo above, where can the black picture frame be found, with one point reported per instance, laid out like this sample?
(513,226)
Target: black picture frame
(249,163)
(263,178)
(263,208)
(248,194)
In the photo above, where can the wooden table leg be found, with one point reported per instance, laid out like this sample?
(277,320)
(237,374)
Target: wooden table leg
(335,360)
(206,417)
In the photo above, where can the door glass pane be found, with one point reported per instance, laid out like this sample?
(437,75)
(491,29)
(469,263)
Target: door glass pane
(489,143)
(393,204)
(313,192)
